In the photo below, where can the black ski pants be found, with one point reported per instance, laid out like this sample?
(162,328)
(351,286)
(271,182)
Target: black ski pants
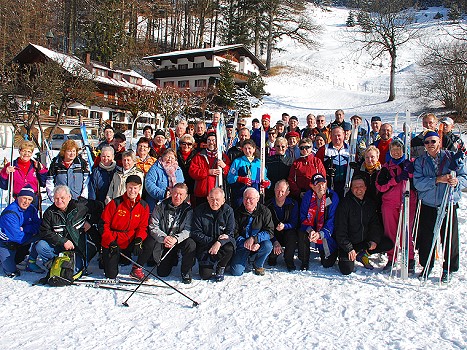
(288,239)
(223,257)
(425,238)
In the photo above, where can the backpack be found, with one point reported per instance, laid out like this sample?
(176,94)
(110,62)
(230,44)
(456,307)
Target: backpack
(66,268)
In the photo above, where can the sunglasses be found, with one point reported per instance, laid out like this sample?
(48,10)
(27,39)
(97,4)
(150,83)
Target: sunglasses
(304,147)
(281,146)
(241,124)
(186,144)
(427,142)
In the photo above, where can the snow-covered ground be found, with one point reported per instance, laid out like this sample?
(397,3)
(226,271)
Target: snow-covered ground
(316,309)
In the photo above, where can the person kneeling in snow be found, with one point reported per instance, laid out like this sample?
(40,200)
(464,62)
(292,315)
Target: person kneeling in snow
(63,226)
(19,224)
(317,213)
(254,230)
(357,228)
(213,229)
(124,225)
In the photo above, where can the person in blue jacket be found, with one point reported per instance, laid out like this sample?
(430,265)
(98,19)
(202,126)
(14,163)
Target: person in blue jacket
(246,172)
(317,213)
(162,177)
(434,171)
(19,224)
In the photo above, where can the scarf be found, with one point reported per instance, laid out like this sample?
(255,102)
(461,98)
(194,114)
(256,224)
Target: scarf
(23,166)
(398,161)
(185,155)
(108,167)
(371,169)
(170,172)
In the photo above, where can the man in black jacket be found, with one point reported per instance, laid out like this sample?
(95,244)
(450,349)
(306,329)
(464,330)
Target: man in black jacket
(358,231)
(213,231)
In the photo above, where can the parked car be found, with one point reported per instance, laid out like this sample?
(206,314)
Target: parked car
(58,140)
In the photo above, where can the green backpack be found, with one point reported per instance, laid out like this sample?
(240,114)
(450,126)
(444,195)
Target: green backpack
(66,268)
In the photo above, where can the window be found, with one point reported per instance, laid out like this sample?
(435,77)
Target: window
(95,115)
(133,80)
(117,76)
(168,83)
(183,66)
(200,83)
(99,72)
(183,84)
(198,65)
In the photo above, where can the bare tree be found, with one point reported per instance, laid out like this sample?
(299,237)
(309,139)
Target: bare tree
(384,26)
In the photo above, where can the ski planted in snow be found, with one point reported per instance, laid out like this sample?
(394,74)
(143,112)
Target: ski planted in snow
(405,227)
(87,146)
(220,135)
(262,162)
(352,156)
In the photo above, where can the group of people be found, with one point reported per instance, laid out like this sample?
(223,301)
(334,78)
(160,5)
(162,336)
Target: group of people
(177,197)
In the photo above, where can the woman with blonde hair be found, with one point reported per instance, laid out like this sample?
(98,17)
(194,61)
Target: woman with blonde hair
(70,169)
(26,171)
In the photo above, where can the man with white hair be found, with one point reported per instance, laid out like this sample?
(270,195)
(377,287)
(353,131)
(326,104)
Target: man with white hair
(254,230)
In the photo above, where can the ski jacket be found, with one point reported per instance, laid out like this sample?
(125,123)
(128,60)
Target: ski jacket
(117,186)
(256,136)
(287,214)
(146,164)
(234,153)
(244,168)
(452,142)
(199,171)
(332,157)
(356,221)
(257,224)
(123,221)
(59,226)
(293,153)
(168,220)
(301,172)
(370,180)
(383,147)
(18,225)
(99,182)
(327,231)
(278,168)
(417,148)
(76,177)
(208,225)
(156,183)
(33,177)
(185,166)
(392,191)
(425,173)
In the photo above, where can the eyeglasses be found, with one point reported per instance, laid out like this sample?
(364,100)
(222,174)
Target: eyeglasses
(281,146)
(304,147)
(189,144)
(427,142)
(241,124)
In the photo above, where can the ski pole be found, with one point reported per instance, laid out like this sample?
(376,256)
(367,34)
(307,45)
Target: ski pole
(416,222)
(195,303)
(125,303)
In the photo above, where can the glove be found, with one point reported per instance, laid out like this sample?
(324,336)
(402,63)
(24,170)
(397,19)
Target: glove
(353,165)
(331,172)
(138,246)
(114,249)
(407,166)
(245,180)
(11,245)
(457,161)
(265,183)
(404,175)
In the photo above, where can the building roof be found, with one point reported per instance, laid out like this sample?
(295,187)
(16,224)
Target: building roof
(208,51)
(74,65)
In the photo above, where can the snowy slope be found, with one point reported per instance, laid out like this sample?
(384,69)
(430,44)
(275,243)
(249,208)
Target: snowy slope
(317,309)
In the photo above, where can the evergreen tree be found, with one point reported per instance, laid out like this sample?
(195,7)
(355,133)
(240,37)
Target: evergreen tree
(454,14)
(255,85)
(226,86)
(350,20)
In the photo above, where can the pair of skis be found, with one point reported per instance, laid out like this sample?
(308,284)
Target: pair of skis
(352,156)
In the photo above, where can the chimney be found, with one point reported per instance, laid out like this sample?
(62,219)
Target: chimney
(111,64)
(88,58)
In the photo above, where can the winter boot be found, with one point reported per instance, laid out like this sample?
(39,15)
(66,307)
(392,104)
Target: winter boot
(259,271)
(33,267)
(362,257)
(186,278)
(137,273)
(446,276)
(272,259)
(13,274)
(219,276)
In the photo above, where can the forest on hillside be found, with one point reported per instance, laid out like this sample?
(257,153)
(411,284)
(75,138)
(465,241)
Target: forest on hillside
(123,31)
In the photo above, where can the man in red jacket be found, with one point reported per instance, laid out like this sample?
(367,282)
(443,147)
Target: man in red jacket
(125,222)
(205,169)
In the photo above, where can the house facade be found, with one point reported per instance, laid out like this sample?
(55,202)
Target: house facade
(110,83)
(199,68)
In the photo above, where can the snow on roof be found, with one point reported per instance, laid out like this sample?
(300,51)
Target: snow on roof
(195,51)
(75,66)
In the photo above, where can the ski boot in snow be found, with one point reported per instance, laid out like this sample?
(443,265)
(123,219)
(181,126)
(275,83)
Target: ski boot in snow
(137,273)
(33,267)
(219,276)
(186,278)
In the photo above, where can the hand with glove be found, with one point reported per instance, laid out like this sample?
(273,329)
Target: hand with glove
(407,166)
(353,165)
(331,172)
(137,246)
(403,176)
(265,183)
(114,249)
(245,180)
